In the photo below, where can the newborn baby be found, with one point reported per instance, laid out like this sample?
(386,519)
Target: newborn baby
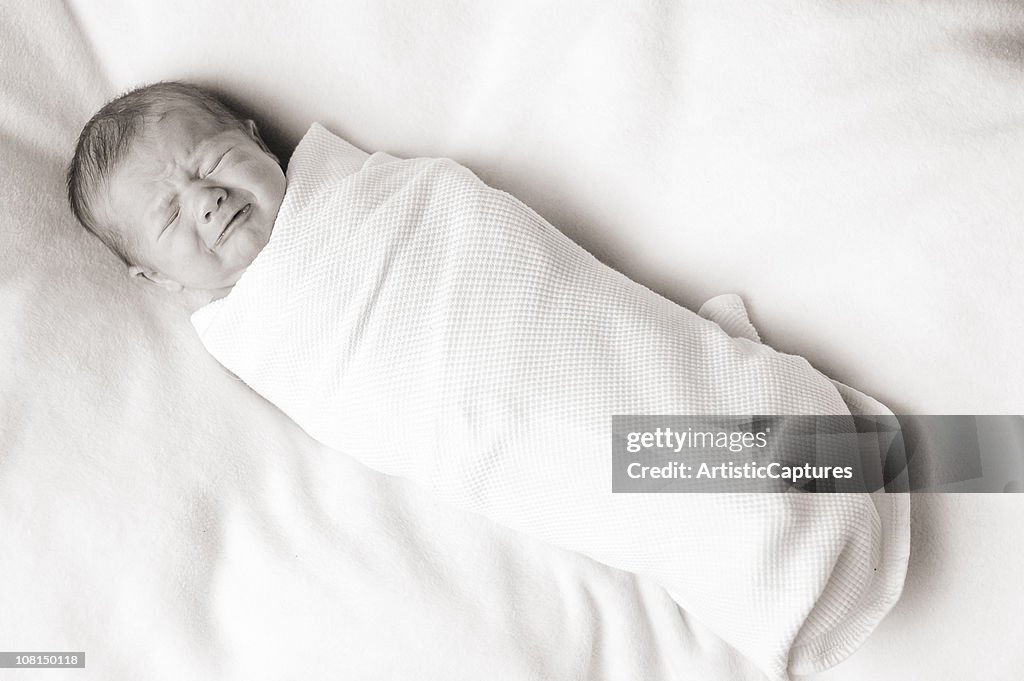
(404,313)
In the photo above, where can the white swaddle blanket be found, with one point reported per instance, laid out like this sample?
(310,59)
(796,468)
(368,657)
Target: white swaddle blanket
(435,328)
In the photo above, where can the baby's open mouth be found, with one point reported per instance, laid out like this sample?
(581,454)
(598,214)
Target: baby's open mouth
(235,219)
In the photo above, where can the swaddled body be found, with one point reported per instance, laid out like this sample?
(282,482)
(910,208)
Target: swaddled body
(432,327)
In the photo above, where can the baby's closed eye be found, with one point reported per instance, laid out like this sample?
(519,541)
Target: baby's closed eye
(173,216)
(216,164)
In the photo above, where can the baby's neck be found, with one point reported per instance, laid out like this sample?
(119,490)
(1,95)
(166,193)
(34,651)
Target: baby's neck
(194,299)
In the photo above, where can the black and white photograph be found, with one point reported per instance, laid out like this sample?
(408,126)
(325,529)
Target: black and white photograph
(595,340)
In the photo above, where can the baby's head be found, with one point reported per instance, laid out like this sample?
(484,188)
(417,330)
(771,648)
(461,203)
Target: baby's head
(178,185)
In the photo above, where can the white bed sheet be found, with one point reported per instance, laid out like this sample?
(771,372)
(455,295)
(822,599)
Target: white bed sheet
(865,157)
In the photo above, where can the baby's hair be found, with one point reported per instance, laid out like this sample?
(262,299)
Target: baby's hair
(105,140)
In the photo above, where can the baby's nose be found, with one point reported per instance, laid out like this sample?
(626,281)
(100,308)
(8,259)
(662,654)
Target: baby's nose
(212,202)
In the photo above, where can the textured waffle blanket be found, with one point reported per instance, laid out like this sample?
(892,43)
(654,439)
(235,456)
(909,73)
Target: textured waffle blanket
(437,329)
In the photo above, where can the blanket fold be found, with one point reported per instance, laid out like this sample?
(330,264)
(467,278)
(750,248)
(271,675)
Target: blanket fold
(435,328)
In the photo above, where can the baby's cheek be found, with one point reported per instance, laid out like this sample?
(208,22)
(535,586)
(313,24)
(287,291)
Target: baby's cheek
(250,246)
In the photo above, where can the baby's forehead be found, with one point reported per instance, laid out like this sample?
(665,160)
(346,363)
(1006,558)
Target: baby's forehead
(180,128)
(173,139)
(164,144)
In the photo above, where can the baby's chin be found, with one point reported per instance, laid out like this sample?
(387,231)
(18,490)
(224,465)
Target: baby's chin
(234,256)
(239,252)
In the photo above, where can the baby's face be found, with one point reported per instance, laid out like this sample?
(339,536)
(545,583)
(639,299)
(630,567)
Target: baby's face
(198,200)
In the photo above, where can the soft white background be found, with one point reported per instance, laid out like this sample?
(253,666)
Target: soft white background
(851,169)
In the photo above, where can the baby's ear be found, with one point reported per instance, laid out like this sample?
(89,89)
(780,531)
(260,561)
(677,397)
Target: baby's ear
(155,277)
(254,131)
